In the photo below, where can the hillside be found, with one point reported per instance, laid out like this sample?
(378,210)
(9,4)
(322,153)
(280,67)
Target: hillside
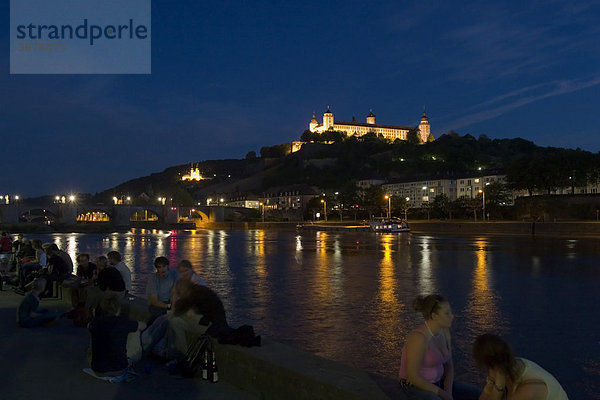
(337,165)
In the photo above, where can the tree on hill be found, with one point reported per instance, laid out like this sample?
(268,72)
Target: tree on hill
(413,136)
(308,136)
(277,151)
(332,136)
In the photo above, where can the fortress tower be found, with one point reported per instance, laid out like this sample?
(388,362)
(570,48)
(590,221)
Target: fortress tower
(327,119)
(424,127)
(371,118)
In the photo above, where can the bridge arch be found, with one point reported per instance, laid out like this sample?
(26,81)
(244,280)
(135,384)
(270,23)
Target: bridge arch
(94,215)
(38,216)
(144,215)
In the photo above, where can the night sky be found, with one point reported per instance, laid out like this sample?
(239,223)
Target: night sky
(230,76)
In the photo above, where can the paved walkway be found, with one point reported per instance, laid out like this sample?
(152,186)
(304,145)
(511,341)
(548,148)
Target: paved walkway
(46,363)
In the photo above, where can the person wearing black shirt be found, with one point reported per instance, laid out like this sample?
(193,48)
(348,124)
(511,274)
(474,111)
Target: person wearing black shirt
(58,270)
(110,278)
(109,337)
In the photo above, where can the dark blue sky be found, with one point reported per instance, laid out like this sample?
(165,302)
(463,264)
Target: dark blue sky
(230,76)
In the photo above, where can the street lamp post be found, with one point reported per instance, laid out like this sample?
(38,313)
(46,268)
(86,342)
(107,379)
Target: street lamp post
(482,191)
(389,199)
(406,208)
(262,211)
(324,208)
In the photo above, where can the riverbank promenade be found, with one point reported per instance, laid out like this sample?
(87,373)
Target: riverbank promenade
(46,363)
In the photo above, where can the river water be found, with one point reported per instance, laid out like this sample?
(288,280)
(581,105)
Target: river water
(347,296)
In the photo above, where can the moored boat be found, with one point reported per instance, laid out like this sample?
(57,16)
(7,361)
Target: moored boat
(391,225)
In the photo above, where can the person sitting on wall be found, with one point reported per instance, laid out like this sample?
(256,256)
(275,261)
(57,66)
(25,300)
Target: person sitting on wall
(115,260)
(5,243)
(109,280)
(101,263)
(85,273)
(167,330)
(62,254)
(38,263)
(197,310)
(200,302)
(159,288)
(512,377)
(56,271)
(111,346)
(426,366)
(29,315)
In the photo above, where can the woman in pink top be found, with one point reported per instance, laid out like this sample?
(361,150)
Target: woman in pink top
(426,369)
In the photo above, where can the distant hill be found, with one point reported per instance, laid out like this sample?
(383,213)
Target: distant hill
(332,166)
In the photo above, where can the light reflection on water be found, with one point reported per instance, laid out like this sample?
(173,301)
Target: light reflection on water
(348,296)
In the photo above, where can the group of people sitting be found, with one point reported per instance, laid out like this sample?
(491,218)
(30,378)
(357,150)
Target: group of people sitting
(181,307)
(33,260)
(427,370)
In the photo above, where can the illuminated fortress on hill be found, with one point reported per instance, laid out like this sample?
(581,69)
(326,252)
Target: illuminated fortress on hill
(353,128)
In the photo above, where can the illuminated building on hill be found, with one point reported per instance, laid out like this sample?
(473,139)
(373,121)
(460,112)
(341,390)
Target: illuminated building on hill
(194,175)
(353,128)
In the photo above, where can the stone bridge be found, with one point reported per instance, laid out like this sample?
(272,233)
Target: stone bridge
(121,215)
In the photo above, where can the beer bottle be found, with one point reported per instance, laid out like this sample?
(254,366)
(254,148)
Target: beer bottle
(205,364)
(215,370)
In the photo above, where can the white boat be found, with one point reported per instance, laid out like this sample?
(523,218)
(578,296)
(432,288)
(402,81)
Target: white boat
(392,225)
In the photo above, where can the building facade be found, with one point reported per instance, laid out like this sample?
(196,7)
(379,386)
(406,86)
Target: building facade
(354,128)
(420,192)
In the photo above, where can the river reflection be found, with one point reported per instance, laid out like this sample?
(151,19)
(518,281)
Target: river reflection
(348,296)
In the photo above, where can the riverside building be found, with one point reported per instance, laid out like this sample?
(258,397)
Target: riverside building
(424,191)
(354,128)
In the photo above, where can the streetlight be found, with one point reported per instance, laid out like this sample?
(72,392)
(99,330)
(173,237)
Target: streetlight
(482,191)
(483,195)
(389,199)
(339,206)
(324,208)
(262,210)
(406,208)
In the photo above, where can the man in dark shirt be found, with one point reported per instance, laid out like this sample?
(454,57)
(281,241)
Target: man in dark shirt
(85,268)
(85,274)
(110,278)
(109,337)
(58,270)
